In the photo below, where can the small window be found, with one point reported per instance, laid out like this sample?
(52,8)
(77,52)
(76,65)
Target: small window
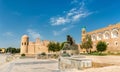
(25,43)
(83,40)
(107,43)
(116,43)
(83,32)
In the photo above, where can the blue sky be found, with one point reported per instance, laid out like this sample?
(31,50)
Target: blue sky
(53,19)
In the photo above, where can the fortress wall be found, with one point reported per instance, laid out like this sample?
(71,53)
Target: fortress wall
(32,48)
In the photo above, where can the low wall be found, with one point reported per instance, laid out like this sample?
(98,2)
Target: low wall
(74,63)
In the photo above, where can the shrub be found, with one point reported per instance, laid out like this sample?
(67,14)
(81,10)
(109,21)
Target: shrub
(43,53)
(98,54)
(65,55)
(101,46)
(22,54)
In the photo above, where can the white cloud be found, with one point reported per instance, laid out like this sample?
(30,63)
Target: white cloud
(71,16)
(64,29)
(78,16)
(56,33)
(58,21)
(34,34)
(74,1)
(8,34)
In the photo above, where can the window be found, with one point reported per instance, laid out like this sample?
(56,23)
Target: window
(107,43)
(25,43)
(83,39)
(116,43)
(22,43)
(84,32)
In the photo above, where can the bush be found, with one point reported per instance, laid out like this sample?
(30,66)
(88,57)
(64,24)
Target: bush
(43,53)
(98,54)
(101,46)
(65,55)
(56,56)
(22,54)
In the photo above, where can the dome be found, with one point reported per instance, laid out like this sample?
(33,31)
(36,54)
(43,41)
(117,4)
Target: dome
(24,36)
(83,28)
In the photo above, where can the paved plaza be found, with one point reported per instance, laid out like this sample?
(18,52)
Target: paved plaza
(51,65)
(30,65)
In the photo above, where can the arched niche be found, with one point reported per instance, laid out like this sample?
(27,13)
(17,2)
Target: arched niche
(94,37)
(99,36)
(107,35)
(114,33)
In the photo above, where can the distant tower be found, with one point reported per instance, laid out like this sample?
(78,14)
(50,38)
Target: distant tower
(24,44)
(83,34)
(37,40)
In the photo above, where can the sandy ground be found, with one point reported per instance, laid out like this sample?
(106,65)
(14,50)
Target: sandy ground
(106,59)
(2,58)
(51,65)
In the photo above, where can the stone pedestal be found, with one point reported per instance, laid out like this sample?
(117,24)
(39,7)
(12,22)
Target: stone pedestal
(74,63)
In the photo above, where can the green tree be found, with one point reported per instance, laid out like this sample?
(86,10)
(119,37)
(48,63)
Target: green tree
(17,50)
(57,46)
(13,50)
(51,46)
(0,50)
(101,46)
(87,44)
(54,46)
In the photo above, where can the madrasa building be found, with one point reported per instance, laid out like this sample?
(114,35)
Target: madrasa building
(109,34)
(32,48)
